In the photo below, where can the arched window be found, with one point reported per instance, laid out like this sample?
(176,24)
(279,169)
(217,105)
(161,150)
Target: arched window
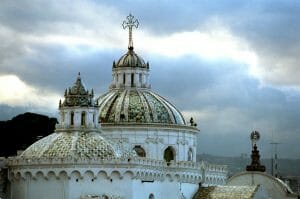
(169,154)
(63,116)
(190,155)
(140,78)
(72,118)
(94,118)
(124,78)
(151,196)
(83,119)
(139,151)
(132,79)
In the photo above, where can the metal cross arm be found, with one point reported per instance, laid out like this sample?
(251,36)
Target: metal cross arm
(129,23)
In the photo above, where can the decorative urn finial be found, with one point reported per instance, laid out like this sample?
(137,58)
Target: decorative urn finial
(255,162)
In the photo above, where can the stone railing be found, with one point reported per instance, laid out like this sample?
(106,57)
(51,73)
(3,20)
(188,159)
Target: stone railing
(141,168)
(19,161)
(136,162)
(214,168)
(149,126)
(100,197)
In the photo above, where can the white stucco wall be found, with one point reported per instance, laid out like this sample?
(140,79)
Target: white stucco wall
(155,141)
(77,185)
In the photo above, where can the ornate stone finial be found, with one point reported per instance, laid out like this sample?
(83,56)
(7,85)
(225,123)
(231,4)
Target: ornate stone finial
(254,136)
(77,95)
(192,122)
(129,23)
(255,163)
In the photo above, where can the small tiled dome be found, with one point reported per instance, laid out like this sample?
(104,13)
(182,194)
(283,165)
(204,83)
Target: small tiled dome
(131,59)
(75,145)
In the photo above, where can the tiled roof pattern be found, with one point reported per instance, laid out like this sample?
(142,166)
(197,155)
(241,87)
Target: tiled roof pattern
(137,106)
(226,192)
(131,59)
(76,145)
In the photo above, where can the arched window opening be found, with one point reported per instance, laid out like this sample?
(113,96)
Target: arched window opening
(132,79)
(63,117)
(151,196)
(139,151)
(169,154)
(124,78)
(83,119)
(140,78)
(94,118)
(72,118)
(190,155)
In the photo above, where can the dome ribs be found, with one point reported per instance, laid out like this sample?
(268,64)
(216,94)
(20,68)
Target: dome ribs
(137,106)
(148,115)
(136,112)
(103,101)
(162,106)
(176,114)
(124,114)
(119,107)
(108,113)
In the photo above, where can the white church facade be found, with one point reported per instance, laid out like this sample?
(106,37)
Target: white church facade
(129,143)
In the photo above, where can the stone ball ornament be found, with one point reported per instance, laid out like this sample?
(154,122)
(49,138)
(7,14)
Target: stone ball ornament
(254,136)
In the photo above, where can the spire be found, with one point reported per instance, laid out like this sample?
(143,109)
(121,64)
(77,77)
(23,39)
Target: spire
(129,23)
(255,163)
(77,95)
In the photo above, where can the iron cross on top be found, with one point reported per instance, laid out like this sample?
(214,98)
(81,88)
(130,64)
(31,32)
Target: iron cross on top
(129,23)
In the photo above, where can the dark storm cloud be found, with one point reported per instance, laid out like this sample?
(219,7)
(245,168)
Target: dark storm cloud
(165,17)
(40,17)
(271,29)
(233,104)
(57,66)
(226,102)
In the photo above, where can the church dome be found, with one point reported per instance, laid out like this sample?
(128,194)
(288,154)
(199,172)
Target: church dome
(137,106)
(75,145)
(131,59)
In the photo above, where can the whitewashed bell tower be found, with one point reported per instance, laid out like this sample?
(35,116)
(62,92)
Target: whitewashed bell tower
(78,111)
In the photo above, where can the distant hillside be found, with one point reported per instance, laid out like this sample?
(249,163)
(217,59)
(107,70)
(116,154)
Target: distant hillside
(286,167)
(23,130)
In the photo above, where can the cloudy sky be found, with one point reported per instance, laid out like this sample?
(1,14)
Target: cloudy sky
(232,65)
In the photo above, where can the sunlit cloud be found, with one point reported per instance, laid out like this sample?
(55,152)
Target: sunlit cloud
(210,45)
(15,92)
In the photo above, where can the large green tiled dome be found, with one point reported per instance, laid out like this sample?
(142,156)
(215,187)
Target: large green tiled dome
(137,106)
